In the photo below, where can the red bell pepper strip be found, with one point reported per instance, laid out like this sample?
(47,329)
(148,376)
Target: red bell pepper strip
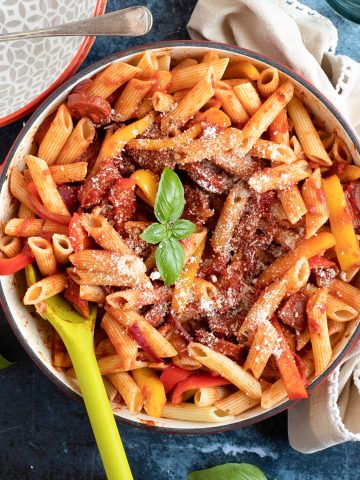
(42,211)
(72,295)
(288,369)
(15,264)
(321,262)
(195,381)
(172,375)
(79,238)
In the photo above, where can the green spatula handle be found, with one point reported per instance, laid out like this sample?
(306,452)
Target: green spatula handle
(99,410)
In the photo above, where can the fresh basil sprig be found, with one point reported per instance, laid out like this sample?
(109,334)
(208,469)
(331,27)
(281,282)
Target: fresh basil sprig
(169,206)
(229,471)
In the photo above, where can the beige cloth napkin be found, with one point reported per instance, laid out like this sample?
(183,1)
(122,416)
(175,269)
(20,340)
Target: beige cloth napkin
(295,35)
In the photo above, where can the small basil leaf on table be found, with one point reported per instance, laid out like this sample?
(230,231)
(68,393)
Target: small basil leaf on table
(170,257)
(169,204)
(4,363)
(154,233)
(182,229)
(229,471)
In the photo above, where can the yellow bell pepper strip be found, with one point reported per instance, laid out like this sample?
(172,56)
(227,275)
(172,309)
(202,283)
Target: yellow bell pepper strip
(77,334)
(147,183)
(347,245)
(152,389)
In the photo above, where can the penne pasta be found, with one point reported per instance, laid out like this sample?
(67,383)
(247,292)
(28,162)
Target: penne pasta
(130,98)
(92,293)
(125,346)
(268,82)
(129,391)
(315,201)
(56,137)
(280,177)
(10,246)
(293,203)
(45,288)
(237,403)
(207,396)
(226,368)
(261,348)
(191,413)
(78,141)
(62,247)
(306,133)
(111,78)
(189,76)
(248,96)
(44,255)
(232,106)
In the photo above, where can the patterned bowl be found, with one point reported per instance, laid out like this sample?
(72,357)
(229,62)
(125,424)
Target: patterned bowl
(33,333)
(31,69)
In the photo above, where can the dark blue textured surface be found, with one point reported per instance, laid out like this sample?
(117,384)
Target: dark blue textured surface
(46,436)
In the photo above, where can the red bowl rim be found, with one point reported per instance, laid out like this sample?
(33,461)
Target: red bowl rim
(134,50)
(73,66)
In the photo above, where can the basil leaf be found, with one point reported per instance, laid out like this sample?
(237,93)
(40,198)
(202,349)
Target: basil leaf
(154,233)
(182,229)
(170,257)
(4,363)
(170,201)
(229,471)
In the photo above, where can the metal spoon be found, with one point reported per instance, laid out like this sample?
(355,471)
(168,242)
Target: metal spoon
(130,22)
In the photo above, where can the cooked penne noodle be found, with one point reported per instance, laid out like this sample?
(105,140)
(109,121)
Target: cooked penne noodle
(297,276)
(347,245)
(57,136)
(111,78)
(232,106)
(18,188)
(111,391)
(206,396)
(29,227)
(273,395)
(79,140)
(306,133)
(340,152)
(261,348)
(302,339)
(226,368)
(189,76)
(345,292)
(164,62)
(75,172)
(248,96)
(263,309)
(129,391)
(306,248)
(191,413)
(46,186)
(268,82)
(62,247)
(92,293)
(280,177)
(237,403)
(130,319)
(265,115)
(314,198)
(148,64)
(130,98)
(10,246)
(125,346)
(116,279)
(104,233)
(44,255)
(45,288)
(190,104)
(232,210)
(339,311)
(276,152)
(318,327)
(162,102)
(293,203)
(104,348)
(179,142)
(186,62)
(25,212)
(210,57)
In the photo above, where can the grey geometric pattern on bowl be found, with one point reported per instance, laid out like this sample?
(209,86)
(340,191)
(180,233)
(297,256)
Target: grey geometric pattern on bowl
(28,67)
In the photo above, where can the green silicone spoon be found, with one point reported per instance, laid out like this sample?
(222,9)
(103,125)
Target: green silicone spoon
(77,334)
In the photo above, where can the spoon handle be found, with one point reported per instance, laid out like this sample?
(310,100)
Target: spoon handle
(131,22)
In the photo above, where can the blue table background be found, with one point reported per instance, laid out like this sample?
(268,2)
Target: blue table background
(46,436)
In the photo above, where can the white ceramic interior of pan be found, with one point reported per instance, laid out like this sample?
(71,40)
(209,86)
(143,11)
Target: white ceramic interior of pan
(35,331)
